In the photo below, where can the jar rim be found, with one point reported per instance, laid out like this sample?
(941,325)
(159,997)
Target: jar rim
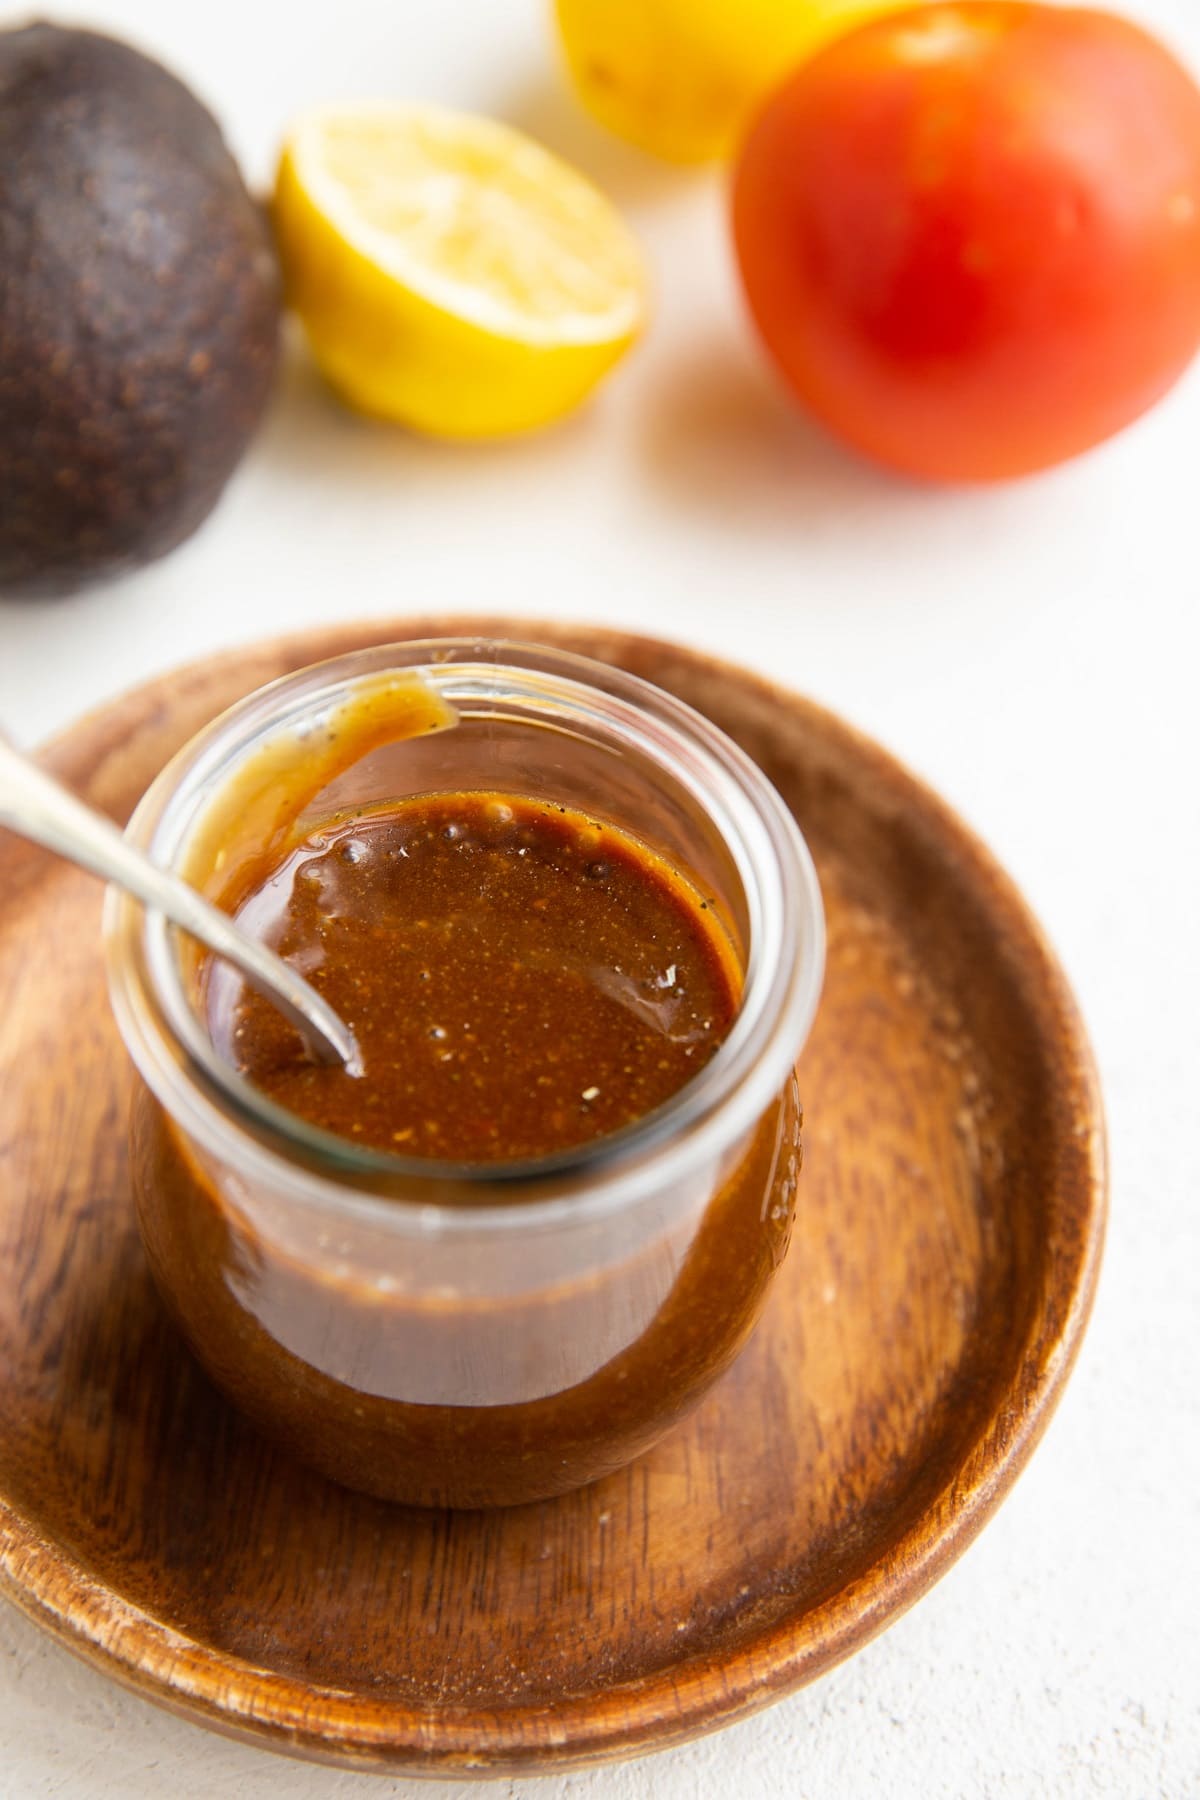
(235,1122)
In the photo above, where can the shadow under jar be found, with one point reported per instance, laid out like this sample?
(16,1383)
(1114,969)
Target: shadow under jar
(458,1333)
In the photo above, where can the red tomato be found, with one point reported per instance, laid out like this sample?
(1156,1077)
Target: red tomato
(970,234)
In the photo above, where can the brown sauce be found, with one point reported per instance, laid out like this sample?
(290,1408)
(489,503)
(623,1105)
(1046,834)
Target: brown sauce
(325,1365)
(521,979)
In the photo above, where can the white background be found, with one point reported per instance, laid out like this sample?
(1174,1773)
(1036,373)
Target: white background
(1031,650)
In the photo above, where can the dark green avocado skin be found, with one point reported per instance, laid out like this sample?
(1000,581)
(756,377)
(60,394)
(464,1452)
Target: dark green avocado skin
(139,310)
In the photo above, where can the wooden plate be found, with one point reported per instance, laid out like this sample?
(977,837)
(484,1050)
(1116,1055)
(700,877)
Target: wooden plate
(950,1223)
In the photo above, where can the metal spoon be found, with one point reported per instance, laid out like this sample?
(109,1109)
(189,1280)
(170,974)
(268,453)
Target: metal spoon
(36,806)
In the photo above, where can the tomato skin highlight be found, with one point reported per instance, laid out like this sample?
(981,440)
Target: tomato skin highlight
(970,234)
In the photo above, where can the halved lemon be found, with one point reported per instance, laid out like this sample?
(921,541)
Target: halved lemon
(450,272)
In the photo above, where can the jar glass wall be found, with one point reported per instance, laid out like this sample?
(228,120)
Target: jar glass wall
(451,1334)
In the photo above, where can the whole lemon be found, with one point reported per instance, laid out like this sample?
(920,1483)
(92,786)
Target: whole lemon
(678,77)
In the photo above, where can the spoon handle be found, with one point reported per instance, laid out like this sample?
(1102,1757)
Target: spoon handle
(36,806)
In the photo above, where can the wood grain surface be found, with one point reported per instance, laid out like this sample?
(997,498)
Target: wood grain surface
(947,1241)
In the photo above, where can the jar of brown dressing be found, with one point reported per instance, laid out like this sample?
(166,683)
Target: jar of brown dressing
(580,942)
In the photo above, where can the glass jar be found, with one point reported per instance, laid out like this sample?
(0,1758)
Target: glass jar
(453,1335)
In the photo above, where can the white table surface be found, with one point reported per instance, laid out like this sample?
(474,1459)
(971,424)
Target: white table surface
(1031,650)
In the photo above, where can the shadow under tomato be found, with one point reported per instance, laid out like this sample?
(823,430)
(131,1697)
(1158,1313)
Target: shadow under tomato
(719,438)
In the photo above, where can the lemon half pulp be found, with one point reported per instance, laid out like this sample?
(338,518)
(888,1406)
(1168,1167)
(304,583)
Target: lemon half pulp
(450,273)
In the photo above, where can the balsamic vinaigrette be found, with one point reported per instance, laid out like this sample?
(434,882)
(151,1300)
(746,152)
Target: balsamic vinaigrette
(521,979)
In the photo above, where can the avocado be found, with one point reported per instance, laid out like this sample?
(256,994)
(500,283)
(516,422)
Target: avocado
(139,310)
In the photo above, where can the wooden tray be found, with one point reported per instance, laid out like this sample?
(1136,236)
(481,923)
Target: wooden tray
(949,1231)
